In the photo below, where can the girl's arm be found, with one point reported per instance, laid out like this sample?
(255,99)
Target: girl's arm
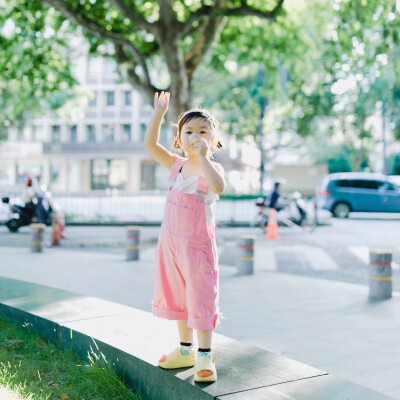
(213,173)
(157,151)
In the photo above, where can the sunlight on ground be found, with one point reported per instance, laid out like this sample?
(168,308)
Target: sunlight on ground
(6,395)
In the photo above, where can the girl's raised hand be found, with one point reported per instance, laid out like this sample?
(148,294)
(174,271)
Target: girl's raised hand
(161,101)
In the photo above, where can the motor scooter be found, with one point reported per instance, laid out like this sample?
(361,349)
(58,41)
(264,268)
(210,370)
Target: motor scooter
(26,214)
(292,210)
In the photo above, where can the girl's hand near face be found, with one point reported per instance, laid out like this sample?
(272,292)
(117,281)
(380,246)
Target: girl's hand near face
(202,148)
(161,101)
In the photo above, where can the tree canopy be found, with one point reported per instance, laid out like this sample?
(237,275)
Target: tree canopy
(340,61)
(33,61)
(180,32)
(210,51)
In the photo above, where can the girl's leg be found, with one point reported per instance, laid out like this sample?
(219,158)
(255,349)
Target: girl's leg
(204,338)
(185,347)
(185,333)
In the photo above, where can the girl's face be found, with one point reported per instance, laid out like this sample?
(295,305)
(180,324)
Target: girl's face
(198,126)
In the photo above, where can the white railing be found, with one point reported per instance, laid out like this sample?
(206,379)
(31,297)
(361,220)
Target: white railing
(100,208)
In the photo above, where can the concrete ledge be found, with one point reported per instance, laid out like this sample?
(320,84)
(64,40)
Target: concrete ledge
(132,341)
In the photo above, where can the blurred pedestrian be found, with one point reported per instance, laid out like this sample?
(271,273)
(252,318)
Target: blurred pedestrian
(186,286)
(29,198)
(42,204)
(275,197)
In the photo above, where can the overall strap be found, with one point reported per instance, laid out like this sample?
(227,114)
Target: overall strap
(202,186)
(176,167)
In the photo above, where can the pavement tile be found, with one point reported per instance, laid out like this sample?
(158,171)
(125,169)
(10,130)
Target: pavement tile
(327,324)
(322,387)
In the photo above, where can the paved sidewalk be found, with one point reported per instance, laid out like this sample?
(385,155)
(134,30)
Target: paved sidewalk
(329,325)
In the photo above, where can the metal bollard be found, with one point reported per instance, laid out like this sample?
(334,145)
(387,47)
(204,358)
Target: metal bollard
(37,237)
(380,274)
(245,258)
(132,242)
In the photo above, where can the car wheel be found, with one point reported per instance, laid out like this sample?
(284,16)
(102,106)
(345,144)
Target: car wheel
(341,210)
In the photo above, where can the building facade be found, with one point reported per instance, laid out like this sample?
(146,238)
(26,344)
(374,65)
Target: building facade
(94,148)
(97,143)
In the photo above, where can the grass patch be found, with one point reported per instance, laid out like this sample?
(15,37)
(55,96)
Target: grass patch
(33,369)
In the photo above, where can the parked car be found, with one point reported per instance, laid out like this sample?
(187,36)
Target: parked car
(347,192)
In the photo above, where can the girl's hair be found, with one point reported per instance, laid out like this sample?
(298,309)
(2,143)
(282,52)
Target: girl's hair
(203,114)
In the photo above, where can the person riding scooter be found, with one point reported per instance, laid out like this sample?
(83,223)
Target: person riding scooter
(272,201)
(36,201)
(274,197)
(29,198)
(292,209)
(36,208)
(42,204)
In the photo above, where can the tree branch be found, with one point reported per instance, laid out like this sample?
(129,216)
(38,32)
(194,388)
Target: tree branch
(187,26)
(127,68)
(167,13)
(218,9)
(214,18)
(209,30)
(246,10)
(132,15)
(89,25)
(168,36)
(99,31)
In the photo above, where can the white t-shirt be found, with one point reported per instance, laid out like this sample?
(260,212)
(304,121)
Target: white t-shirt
(28,195)
(190,186)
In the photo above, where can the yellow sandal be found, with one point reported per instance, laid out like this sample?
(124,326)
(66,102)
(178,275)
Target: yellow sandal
(203,369)
(177,360)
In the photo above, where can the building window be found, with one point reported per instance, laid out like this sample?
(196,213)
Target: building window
(128,98)
(118,174)
(7,173)
(21,135)
(74,180)
(93,101)
(164,135)
(73,134)
(110,98)
(148,176)
(108,133)
(109,173)
(143,128)
(24,170)
(163,139)
(99,174)
(126,133)
(37,133)
(93,67)
(56,133)
(55,175)
(111,66)
(91,133)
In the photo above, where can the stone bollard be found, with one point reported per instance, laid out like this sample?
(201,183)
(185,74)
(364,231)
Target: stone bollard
(132,243)
(245,258)
(37,237)
(380,274)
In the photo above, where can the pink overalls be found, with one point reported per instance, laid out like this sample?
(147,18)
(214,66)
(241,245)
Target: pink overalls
(186,281)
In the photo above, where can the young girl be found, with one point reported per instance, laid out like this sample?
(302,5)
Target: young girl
(186,285)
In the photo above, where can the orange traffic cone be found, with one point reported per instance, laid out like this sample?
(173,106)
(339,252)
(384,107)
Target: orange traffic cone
(272,226)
